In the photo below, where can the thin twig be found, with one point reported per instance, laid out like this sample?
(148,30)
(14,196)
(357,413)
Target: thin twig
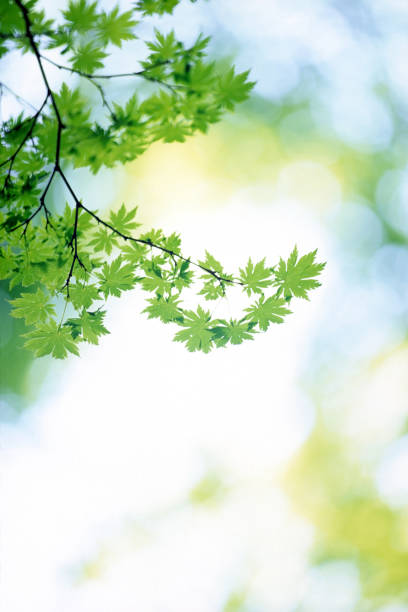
(140,73)
(159,247)
(12,157)
(19,98)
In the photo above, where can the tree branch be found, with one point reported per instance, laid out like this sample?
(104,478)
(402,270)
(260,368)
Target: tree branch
(57,167)
(140,73)
(12,157)
(170,252)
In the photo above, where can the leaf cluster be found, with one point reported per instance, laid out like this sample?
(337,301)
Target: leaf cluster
(75,261)
(151,261)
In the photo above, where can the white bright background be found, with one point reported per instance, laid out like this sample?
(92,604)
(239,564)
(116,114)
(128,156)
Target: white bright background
(97,473)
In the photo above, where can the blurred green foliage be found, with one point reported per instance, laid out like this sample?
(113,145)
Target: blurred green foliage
(331,489)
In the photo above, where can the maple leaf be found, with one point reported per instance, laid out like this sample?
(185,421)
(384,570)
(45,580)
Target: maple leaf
(255,278)
(50,339)
(154,279)
(89,326)
(297,277)
(116,277)
(197,335)
(81,15)
(166,309)
(82,296)
(115,28)
(88,57)
(232,331)
(211,264)
(150,7)
(233,88)
(266,311)
(104,240)
(123,219)
(32,307)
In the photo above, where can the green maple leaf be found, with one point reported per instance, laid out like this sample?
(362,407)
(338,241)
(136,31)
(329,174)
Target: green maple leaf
(50,339)
(154,279)
(297,277)
(122,220)
(173,132)
(88,57)
(197,335)
(89,326)
(233,88)
(32,307)
(255,278)
(172,242)
(183,276)
(212,290)
(73,106)
(159,7)
(163,48)
(104,240)
(116,277)
(200,77)
(232,331)
(166,309)
(134,253)
(266,311)
(154,236)
(115,28)
(83,296)
(211,264)
(81,16)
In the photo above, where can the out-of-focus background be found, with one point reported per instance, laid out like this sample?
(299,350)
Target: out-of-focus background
(267,477)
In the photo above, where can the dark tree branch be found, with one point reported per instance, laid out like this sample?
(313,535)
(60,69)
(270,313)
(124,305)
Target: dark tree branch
(159,247)
(13,157)
(36,52)
(73,243)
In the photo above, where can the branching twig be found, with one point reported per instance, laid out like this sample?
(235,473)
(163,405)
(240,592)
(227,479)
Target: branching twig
(88,75)
(12,157)
(139,73)
(19,98)
(73,244)
(159,247)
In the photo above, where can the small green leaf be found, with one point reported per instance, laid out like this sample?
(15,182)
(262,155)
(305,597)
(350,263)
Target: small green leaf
(255,278)
(104,240)
(266,311)
(116,277)
(232,331)
(233,88)
(83,296)
(123,220)
(32,307)
(89,326)
(115,28)
(166,309)
(81,15)
(197,335)
(297,277)
(88,57)
(49,339)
